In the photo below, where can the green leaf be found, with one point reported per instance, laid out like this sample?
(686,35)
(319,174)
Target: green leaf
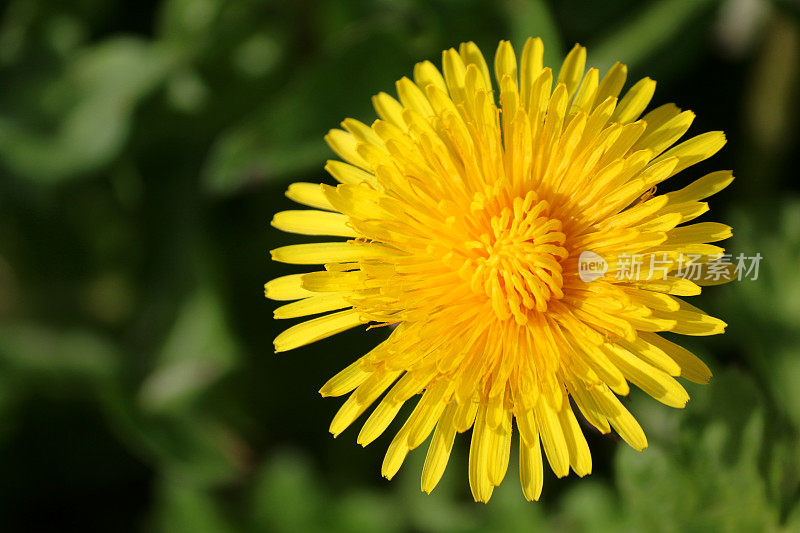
(198,351)
(368,511)
(287,496)
(186,509)
(39,350)
(101,86)
(649,30)
(188,447)
(591,506)
(765,312)
(188,23)
(793,521)
(710,479)
(283,137)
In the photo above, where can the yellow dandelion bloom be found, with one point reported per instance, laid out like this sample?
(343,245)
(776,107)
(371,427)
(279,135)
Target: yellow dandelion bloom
(465,209)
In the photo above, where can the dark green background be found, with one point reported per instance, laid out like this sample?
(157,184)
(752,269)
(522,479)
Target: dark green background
(143,149)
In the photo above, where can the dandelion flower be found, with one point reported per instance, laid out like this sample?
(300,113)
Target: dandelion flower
(464,210)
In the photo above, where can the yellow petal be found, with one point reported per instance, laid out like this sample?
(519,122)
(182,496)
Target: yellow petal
(389,110)
(652,355)
(309,194)
(312,306)
(660,115)
(360,400)
(344,173)
(344,144)
(587,94)
(612,82)
(479,482)
(396,454)
(327,252)
(589,407)
(660,138)
(346,380)
(692,368)
(362,133)
(530,65)
(580,459)
(623,422)
(671,285)
(332,281)
(379,420)
(651,380)
(552,436)
(286,288)
(572,69)
(531,470)
(455,74)
(464,416)
(317,329)
(505,62)
(427,74)
(439,450)
(701,232)
(427,412)
(472,55)
(308,222)
(499,450)
(696,324)
(635,101)
(702,188)
(694,150)
(413,98)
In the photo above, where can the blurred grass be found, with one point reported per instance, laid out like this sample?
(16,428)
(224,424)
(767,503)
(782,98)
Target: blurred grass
(143,149)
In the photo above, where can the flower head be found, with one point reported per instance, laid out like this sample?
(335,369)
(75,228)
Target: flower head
(466,207)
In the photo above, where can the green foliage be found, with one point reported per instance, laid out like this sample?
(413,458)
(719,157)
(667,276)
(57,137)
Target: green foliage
(144,147)
(89,108)
(197,352)
(653,27)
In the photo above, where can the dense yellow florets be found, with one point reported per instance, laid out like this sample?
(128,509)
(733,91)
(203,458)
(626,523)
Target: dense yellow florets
(466,221)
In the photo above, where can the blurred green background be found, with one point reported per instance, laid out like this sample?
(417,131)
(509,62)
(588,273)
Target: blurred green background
(143,149)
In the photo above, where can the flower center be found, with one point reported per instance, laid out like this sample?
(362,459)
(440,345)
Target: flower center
(516,260)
